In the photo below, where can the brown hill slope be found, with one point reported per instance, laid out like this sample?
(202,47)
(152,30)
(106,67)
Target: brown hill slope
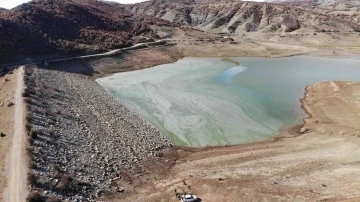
(238,17)
(73,26)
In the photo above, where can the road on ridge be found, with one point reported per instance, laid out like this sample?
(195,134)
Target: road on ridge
(17,180)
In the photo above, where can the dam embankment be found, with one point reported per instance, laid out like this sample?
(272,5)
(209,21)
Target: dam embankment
(82,141)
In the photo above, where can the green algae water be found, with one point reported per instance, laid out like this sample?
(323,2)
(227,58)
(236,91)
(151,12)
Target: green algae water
(216,101)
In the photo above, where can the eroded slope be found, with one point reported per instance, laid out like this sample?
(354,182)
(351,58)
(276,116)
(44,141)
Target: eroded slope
(239,17)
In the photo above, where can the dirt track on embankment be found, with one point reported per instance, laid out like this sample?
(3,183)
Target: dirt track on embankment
(17,184)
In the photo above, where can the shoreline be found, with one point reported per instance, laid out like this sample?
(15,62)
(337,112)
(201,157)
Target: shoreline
(301,100)
(279,134)
(268,169)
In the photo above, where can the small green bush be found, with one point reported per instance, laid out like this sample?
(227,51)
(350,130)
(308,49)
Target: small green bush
(32,134)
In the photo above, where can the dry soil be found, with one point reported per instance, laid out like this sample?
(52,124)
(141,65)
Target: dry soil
(314,162)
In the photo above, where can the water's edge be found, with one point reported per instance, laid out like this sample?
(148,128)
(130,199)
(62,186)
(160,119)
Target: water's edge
(301,108)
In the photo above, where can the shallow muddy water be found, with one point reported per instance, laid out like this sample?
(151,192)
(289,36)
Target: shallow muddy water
(215,101)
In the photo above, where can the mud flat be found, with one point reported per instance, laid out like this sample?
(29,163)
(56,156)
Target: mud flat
(314,162)
(81,140)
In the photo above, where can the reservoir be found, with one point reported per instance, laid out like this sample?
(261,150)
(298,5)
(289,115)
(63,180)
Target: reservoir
(217,101)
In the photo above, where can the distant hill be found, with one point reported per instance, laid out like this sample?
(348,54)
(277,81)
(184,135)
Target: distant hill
(114,3)
(60,27)
(234,16)
(3,9)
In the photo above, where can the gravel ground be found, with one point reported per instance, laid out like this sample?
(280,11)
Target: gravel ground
(81,138)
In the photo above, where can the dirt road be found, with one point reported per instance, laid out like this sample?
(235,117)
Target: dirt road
(17,191)
(7,91)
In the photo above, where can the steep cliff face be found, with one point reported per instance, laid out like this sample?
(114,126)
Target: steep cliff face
(239,17)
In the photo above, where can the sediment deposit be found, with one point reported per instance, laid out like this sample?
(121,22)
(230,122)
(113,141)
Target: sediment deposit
(318,161)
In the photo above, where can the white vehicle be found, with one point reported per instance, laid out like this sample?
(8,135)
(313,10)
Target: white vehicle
(188,198)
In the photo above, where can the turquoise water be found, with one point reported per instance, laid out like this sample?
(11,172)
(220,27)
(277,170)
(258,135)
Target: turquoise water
(211,101)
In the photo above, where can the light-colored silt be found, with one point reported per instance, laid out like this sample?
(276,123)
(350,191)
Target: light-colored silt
(215,101)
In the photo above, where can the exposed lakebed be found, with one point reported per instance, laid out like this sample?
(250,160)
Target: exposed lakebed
(215,101)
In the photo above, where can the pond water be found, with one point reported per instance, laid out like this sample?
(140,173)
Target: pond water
(215,101)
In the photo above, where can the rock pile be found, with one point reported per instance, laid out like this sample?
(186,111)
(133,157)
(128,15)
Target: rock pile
(81,137)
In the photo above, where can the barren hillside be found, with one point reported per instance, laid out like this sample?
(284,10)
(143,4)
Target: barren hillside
(239,17)
(70,27)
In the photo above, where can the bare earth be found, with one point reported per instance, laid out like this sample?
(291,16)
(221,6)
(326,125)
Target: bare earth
(17,185)
(266,45)
(320,164)
(316,161)
(6,123)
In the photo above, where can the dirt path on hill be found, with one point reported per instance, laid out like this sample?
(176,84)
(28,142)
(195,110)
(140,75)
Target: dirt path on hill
(17,191)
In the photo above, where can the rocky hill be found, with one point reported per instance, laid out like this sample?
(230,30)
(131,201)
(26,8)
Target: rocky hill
(57,28)
(69,27)
(239,17)
(3,10)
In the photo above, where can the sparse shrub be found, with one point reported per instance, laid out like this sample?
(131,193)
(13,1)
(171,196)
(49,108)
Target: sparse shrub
(33,134)
(33,165)
(10,104)
(28,100)
(274,28)
(30,150)
(65,181)
(251,27)
(28,118)
(28,127)
(28,107)
(56,167)
(32,179)
(35,197)
(291,23)
(27,78)
(53,199)
(26,94)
